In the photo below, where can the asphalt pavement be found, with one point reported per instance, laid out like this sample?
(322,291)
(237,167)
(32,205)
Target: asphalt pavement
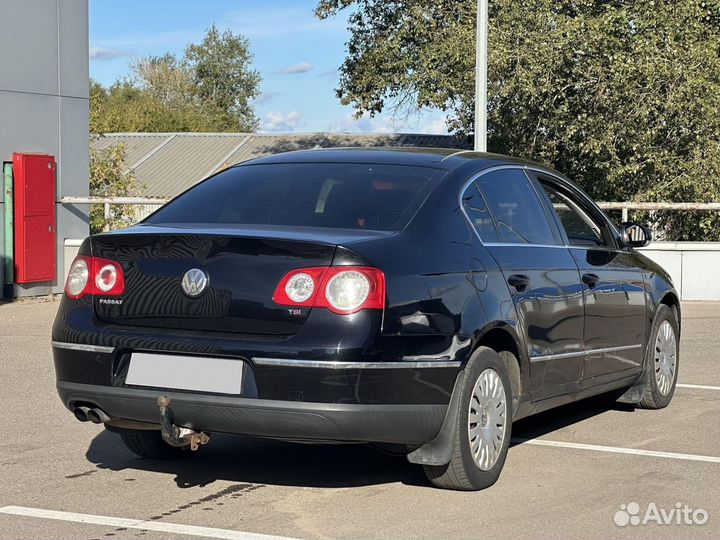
(593,469)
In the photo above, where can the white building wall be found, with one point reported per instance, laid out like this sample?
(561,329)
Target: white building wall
(693,266)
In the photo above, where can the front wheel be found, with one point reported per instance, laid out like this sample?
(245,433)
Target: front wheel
(661,361)
(482,428)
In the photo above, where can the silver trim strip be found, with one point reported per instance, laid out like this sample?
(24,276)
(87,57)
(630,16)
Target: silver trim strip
(587,352)
(459,152)
(509,244)
(82,347)
(547,357)
(614,349)
(295,362)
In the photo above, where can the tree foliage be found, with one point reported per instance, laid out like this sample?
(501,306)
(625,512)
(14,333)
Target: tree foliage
(108,180)
(209,88)
(221,76)
(621,95)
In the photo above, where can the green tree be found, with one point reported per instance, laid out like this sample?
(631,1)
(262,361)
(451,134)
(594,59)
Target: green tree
(622,95)
(209,89)
(107,169)
(108,179)
(220,67)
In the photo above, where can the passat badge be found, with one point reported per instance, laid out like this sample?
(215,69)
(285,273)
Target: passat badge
(194,282)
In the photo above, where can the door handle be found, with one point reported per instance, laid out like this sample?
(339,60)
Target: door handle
(519,281)
(590,279)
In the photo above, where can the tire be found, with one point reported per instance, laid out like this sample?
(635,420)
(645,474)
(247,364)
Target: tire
(658,390)
(149,444)
(464,472)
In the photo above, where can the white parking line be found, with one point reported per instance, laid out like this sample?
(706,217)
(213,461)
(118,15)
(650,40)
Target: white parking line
(698,386)
(159,526)
(617,450)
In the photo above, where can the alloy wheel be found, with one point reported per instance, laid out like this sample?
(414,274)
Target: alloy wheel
(665,358)
(487,419)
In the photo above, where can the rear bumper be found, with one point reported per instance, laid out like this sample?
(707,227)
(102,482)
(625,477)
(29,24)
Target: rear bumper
(285,398)
(347,422)
(335,380)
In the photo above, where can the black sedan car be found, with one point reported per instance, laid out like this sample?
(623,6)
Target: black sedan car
(416,297)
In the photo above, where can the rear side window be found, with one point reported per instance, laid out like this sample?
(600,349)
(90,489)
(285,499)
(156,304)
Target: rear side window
(479,214)
(516,208)
(333,195)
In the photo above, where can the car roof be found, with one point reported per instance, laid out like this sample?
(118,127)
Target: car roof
(438,158)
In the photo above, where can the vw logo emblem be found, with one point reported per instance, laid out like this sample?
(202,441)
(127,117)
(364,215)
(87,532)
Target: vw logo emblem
(194,282)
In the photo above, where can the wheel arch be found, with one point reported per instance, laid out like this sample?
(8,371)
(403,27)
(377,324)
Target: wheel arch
(502,338)
(671,300)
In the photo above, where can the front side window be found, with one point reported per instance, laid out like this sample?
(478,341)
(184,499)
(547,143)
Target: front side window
(516,208)
(580,228)
(329,195)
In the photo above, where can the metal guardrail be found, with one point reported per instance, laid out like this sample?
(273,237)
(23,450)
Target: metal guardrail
(625,207)
(113,200)
(107,201)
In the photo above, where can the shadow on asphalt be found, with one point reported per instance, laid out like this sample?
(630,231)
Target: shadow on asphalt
(258,461)
(541,424)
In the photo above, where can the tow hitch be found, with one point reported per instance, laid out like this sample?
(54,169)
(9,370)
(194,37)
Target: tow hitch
(174,435)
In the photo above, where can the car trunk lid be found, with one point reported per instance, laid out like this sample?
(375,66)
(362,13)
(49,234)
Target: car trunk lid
(243,267)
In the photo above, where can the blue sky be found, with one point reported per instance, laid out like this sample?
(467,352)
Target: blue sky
(296,55)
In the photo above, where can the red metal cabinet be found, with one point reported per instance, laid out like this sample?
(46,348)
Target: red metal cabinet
(34,216)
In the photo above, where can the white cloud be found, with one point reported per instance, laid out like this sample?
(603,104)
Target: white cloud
(264,97)
(286,20)
(279,121)
(437,126)
(302,67)
(429,121)
(101,53)
(366,124)
(330,73)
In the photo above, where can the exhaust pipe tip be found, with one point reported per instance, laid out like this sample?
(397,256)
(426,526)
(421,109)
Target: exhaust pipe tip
(81,413)
(97,416)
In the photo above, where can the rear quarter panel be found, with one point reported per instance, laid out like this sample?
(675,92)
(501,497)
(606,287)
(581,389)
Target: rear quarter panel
(444,290)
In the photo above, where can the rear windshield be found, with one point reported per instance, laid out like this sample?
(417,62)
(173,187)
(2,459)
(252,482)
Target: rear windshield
(334,195)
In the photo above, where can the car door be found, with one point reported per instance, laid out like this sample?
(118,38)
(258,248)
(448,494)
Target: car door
(613,287)
(541,275)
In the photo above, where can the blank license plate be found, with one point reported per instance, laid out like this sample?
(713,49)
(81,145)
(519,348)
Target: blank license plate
(199,373)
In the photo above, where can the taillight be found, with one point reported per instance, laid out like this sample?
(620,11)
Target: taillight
(93,275)
(341,289)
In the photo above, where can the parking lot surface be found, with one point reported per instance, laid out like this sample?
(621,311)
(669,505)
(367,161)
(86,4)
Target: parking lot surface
(571,472)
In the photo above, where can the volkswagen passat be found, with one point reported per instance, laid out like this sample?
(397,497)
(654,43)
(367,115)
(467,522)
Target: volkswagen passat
(414,297)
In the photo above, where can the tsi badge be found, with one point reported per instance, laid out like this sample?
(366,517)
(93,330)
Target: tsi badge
(194,282)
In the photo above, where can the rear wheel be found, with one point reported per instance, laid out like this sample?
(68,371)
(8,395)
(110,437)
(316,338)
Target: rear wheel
(149,444)
(482,427)
(661,361)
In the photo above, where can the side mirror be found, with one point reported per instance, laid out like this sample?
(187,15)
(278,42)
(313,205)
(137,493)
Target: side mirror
(636,235)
